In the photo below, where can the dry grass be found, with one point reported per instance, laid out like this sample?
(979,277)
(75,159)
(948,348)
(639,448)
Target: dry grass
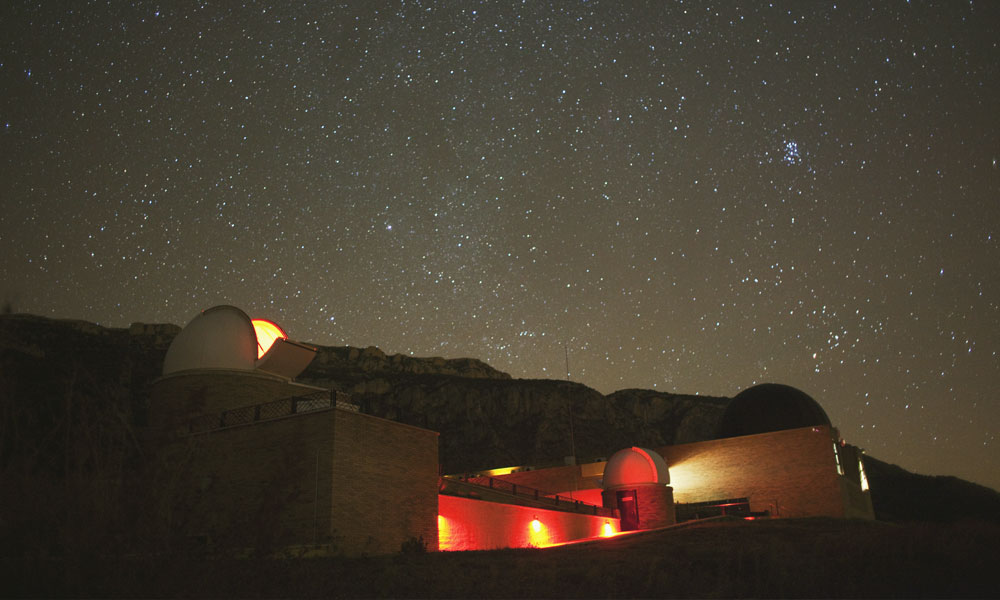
(819,558)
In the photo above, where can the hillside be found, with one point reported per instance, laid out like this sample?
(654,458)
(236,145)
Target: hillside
(901,496)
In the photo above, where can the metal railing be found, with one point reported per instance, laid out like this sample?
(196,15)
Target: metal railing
(524,491)
(269,411)
(729,507)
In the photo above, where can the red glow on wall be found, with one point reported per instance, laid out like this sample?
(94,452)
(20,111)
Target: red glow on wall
(445,533)
(467,524)
(267,332)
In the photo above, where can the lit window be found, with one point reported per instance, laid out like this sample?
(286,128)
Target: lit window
(864,478)
(836,458)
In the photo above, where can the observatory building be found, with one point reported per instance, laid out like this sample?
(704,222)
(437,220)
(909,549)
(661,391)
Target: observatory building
(270,463)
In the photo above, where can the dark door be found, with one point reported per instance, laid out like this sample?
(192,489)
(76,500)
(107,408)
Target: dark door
(628,509)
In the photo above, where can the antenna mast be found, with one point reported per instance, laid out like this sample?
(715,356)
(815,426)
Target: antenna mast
(566,348)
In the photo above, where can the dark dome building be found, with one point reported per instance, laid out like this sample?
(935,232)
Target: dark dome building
(770,407)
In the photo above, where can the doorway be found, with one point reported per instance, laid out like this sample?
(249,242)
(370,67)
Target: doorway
(628,508)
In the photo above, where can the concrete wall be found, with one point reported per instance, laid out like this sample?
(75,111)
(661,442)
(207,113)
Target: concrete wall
(790,473)
(468,524)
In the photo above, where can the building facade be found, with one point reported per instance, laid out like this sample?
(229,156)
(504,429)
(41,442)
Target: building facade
(268,464)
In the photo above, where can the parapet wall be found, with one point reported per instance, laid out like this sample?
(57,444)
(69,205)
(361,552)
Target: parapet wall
(468,524)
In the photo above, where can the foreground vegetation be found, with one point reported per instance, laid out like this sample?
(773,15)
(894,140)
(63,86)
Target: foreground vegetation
(781,558)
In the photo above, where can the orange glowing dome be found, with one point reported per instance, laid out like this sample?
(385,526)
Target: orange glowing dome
(267,332)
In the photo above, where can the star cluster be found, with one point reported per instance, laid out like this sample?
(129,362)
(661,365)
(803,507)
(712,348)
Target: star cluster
(688,196)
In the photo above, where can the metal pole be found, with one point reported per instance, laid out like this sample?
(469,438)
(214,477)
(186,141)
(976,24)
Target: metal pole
(566,348)
(316,503)
(569,411)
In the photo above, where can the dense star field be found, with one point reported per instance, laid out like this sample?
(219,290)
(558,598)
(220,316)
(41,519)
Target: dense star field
(685,196)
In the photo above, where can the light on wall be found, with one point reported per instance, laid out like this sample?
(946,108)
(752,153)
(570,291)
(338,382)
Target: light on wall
(607,530)
(536,525)
(685,475)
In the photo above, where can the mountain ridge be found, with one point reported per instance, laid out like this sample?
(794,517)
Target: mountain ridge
(57,367)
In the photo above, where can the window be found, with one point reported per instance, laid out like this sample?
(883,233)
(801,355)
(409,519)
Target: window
(836,458)
(864,478)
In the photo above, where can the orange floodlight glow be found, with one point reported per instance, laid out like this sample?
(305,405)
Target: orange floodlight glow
(267,332)
(539,535)
(607,530)
(686,475)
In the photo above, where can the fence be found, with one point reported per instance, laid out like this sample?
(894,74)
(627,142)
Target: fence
(269,411)
(523,491)
(733,507)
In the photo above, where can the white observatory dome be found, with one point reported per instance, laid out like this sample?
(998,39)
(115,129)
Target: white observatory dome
(635,466)
(221,337)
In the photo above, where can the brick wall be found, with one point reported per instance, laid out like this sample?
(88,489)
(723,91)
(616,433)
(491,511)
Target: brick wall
(264,486)
(790,473)
(654,502)
(353,483)
(385,484)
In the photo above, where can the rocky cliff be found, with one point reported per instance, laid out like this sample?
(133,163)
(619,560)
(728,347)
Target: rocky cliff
(485,417)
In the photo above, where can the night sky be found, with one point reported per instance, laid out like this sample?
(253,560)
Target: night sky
(684,196)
